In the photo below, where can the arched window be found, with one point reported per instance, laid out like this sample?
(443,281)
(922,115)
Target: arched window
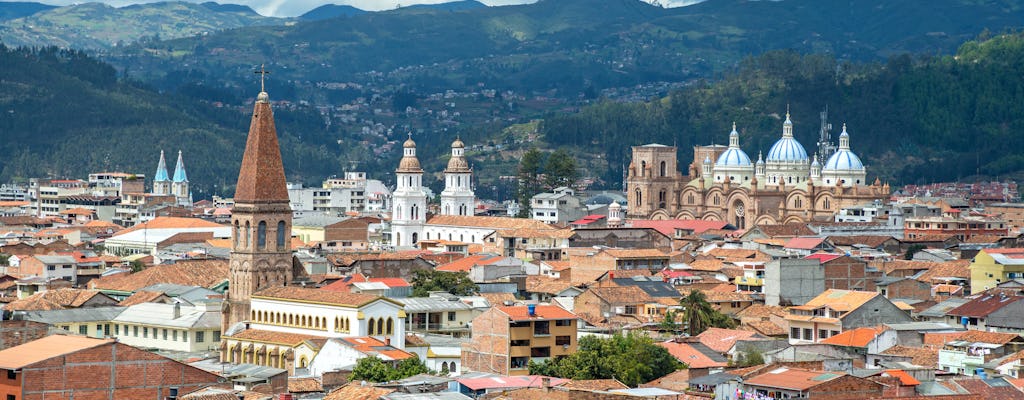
(237,233)
(689,198)
(370,326)
(281,239)
(261,235)
(380,326)
(415,237)
(391,326)
(639,197)
(252,315)
(643,168)
(827,204)
(663,172)
(248,236)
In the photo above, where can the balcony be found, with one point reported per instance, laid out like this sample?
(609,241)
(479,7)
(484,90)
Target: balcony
(749,281)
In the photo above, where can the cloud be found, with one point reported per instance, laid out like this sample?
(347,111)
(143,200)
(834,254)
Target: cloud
(292,8)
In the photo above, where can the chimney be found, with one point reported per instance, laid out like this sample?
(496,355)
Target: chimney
(177,310)
(545,383)
(172,393)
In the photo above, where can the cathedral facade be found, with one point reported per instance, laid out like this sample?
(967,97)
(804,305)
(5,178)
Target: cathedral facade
(723,184)
(409,205)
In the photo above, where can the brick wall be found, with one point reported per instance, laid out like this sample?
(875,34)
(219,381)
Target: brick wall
(847,387)
(488,348)
(16,333)
(113,371)
(849,274)
(909,289)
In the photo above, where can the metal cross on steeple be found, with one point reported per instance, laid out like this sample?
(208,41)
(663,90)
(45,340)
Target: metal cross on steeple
(262,72)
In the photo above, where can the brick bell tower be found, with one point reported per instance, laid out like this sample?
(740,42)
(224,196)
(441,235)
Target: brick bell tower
(261,221)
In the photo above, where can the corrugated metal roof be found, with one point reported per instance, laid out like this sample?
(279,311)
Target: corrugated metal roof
(425,304)
(88,314)
(159,314)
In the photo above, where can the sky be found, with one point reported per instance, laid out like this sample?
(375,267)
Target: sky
(291,8)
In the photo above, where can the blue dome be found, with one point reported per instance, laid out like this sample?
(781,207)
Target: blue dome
(733,157)
(843,160)
(787,149)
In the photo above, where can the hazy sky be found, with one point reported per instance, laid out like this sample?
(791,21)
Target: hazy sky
(291,8)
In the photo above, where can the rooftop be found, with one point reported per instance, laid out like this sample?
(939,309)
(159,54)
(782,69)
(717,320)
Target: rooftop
(43,349)
(542,312)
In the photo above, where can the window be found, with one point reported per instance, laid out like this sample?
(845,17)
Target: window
(822,333)
(451,316)
(83,329)
(541,328)
(563,341)
(794,333)
(281,239)
(630,310)
(261,235)
(216,336)
(833,333)
(540,352)
(199,337)
(520,342)
(164,336)
(563,322)
(135,331)
(117,329)
(51,267)
(145,332)
(808,334)
(11,374)
(174,336)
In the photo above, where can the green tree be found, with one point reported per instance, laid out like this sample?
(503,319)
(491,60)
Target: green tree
(632,359)
(560,170)
(911,250)
(5,259)
(697,312)
(425,281)
(137,266)
(372,369)
(531,166)
(669,323)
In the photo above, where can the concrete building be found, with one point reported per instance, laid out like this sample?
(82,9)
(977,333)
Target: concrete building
(835,311)
(561,206)
(173,327)
(506,338)
(993,266)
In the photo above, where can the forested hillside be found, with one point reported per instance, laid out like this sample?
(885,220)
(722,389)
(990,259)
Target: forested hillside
(65,115)
(911,119)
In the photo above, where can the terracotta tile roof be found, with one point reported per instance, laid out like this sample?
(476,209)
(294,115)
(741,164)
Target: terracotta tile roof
(715,296)
(171,223)
(557,265)
(949,290)
(678,381)
(622,294)
(823,257)
(203,273)
(636,253)
(927,238)
(261,177)
(693,358)
(919,355)
(939,338)
(759,310)
(498,298)
(43,349)
(275,337)
(707,265)
(983,239)
(804,243)
(594,384)
(766,328)
(982,389)
(792,378)
(547,285)
(738,254)
(521,313)
(142,296)
(988,337)
(304,385)
(903,376)
(219,243)
(984,305)
(840,300)
(316,295)
(949,269)
(56,299)
(858,337)
(668,227)
(867,240)
(489,222)
(547,232)
(507,382)
(415,341)
(373,347)
(467,263)
(791,229)
(721,340)
(356,391)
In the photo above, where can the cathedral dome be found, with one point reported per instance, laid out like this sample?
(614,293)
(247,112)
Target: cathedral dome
(457,164)
(409,144)
(787,149)
(844,159)
(409,164)
(734,155)
(457,144)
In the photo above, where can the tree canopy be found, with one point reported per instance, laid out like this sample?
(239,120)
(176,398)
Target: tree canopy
(373,369)
(699,315)
(425,281)
(632,359)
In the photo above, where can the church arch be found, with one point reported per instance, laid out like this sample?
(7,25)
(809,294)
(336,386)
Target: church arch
(390,327)
(765,220)
(711,216)
(371,326)
(663,169)
(659,215)
(824,201)
(248,235)
(281,239)
(793,219)
(261,235)
(685,215)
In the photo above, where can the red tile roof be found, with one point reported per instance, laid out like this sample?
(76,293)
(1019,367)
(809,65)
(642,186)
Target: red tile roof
(521,313)
(467,263)
(792,378)
(261,177)
(721,340)
(823,257)
(693,358)
(497,382)
(804,243)
(668,227)
(316,295)
(204,273)
(371,346)
(904,377)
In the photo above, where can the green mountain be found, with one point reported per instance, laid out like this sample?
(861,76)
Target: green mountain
(99,26)
(563,47)
(18,9)
(912,120)
(64,114)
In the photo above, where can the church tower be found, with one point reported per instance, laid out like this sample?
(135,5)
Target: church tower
(161,182)
(261,253)
(457,197)
(409,203)
(179,184)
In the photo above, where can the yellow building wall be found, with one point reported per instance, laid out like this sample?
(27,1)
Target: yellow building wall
(986,273)
(309,233)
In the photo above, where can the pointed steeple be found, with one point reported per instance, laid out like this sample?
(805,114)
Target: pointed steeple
(261,178)
(161,170)
(179,170)
(734,137)
(844,139)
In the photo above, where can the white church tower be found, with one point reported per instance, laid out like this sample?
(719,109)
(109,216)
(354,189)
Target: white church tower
(457,197)
(179,183)
(409,205)
(161,181)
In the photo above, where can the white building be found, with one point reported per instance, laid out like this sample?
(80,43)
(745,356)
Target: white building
(457,197)
(173,327)
(410,200)
(144,238)
(474,229)
(561,206)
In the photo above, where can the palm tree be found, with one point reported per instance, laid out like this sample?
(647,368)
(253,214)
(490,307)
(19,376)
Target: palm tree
(697,312)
